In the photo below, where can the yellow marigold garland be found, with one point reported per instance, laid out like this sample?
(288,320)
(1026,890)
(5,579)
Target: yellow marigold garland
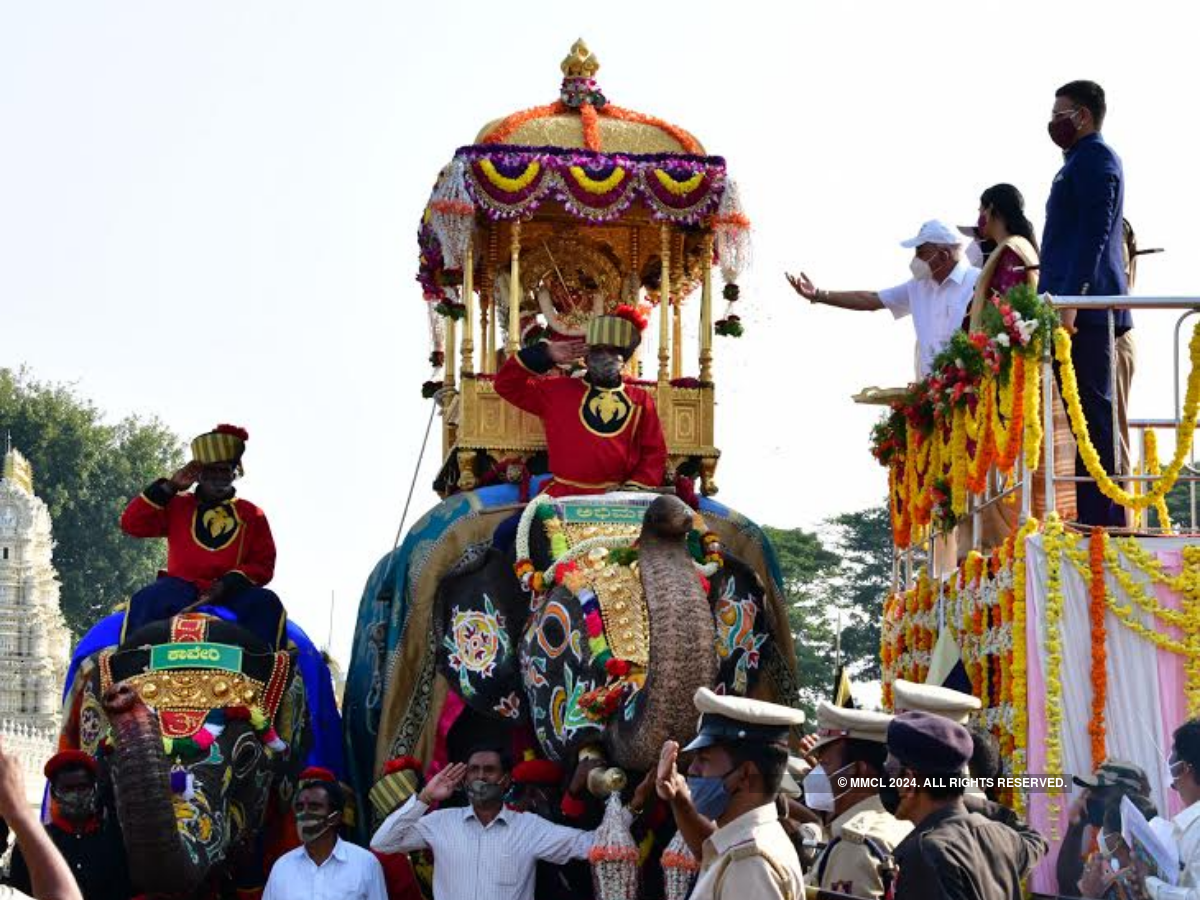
(1136,591)
(679,188)
(597,186)
(1008,410)
(1033,409)
(1186,583)
(959,462)
(510,185)
(1087,451)
(1153,467)
(1020,682)
(1005,554)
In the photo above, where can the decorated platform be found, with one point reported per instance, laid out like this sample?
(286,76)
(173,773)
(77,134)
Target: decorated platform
(1083,644)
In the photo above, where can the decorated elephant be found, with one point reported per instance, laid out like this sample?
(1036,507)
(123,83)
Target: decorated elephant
(596,628)
(201,731)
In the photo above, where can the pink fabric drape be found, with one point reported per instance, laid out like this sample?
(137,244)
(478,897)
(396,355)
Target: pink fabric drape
(1145,702)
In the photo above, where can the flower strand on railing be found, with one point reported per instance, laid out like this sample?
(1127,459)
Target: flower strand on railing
(1087,451)
(1152,466)
(977,409)
(1020,684)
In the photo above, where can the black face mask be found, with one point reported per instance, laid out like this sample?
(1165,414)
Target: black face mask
(889,796)
(1095,811)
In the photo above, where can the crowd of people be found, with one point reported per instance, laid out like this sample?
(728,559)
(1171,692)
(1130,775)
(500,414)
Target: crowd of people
(1083,252)
(878,805)
(875,805)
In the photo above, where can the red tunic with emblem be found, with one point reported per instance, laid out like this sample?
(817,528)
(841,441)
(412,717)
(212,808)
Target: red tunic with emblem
(597,439)
(204,542)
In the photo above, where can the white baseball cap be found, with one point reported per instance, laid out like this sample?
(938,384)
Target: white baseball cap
(935,231)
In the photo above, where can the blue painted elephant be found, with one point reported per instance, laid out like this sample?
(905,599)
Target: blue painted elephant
(201,732)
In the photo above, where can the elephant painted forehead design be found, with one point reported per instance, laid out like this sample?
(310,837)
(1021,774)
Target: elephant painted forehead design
(475,641)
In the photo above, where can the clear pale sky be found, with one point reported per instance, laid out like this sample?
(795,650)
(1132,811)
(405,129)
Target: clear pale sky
(208,213)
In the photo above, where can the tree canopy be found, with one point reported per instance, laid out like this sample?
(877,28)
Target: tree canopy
(86,470)
(848,568)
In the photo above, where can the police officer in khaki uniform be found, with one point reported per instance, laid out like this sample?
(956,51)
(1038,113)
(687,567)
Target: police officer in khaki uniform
(726,806)
(852,743)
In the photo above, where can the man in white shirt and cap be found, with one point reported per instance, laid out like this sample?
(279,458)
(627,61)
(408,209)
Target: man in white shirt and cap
(852,744)
(938,296)
(726,806)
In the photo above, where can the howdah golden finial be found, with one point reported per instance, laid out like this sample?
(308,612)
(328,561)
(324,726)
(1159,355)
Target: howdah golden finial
(580,62)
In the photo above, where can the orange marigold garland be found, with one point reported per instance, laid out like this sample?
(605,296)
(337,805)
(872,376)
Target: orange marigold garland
(591,126)
(985,446)
(1096,725)
(1006,456)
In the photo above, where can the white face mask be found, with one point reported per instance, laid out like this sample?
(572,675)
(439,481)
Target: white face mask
(920,269)
(818,791)
(1107,844)
(975,254)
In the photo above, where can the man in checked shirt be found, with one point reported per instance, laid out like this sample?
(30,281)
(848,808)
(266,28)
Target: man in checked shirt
(484,851)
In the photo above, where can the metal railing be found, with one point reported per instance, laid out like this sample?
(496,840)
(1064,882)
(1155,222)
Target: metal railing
(905,561)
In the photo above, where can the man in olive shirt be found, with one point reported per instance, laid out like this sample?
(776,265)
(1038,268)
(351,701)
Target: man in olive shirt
(952,853)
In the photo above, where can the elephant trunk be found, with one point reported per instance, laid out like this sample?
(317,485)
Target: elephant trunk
(682,638)
(158,860)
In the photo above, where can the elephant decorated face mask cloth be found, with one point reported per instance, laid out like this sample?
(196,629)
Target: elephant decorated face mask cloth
(197,685)
(627,589)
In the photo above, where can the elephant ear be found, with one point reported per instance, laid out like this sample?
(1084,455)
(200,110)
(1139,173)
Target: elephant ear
(479,616)
(743,626)
(558,668)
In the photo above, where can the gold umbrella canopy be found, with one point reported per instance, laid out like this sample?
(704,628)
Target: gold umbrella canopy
(583,160)
(582,118)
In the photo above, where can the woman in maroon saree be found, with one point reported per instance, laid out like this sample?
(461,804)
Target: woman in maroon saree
(1014,261)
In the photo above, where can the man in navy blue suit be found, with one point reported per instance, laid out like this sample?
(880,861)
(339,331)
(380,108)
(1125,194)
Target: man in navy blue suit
(1081,254)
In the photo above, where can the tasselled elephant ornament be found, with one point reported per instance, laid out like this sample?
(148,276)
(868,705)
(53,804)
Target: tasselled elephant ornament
(621,607)
(201,731)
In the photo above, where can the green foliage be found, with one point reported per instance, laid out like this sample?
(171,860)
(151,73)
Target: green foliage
(864,540)
(806,566)
(1179,506)
(850,571)
(86,470)
(1023,316)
